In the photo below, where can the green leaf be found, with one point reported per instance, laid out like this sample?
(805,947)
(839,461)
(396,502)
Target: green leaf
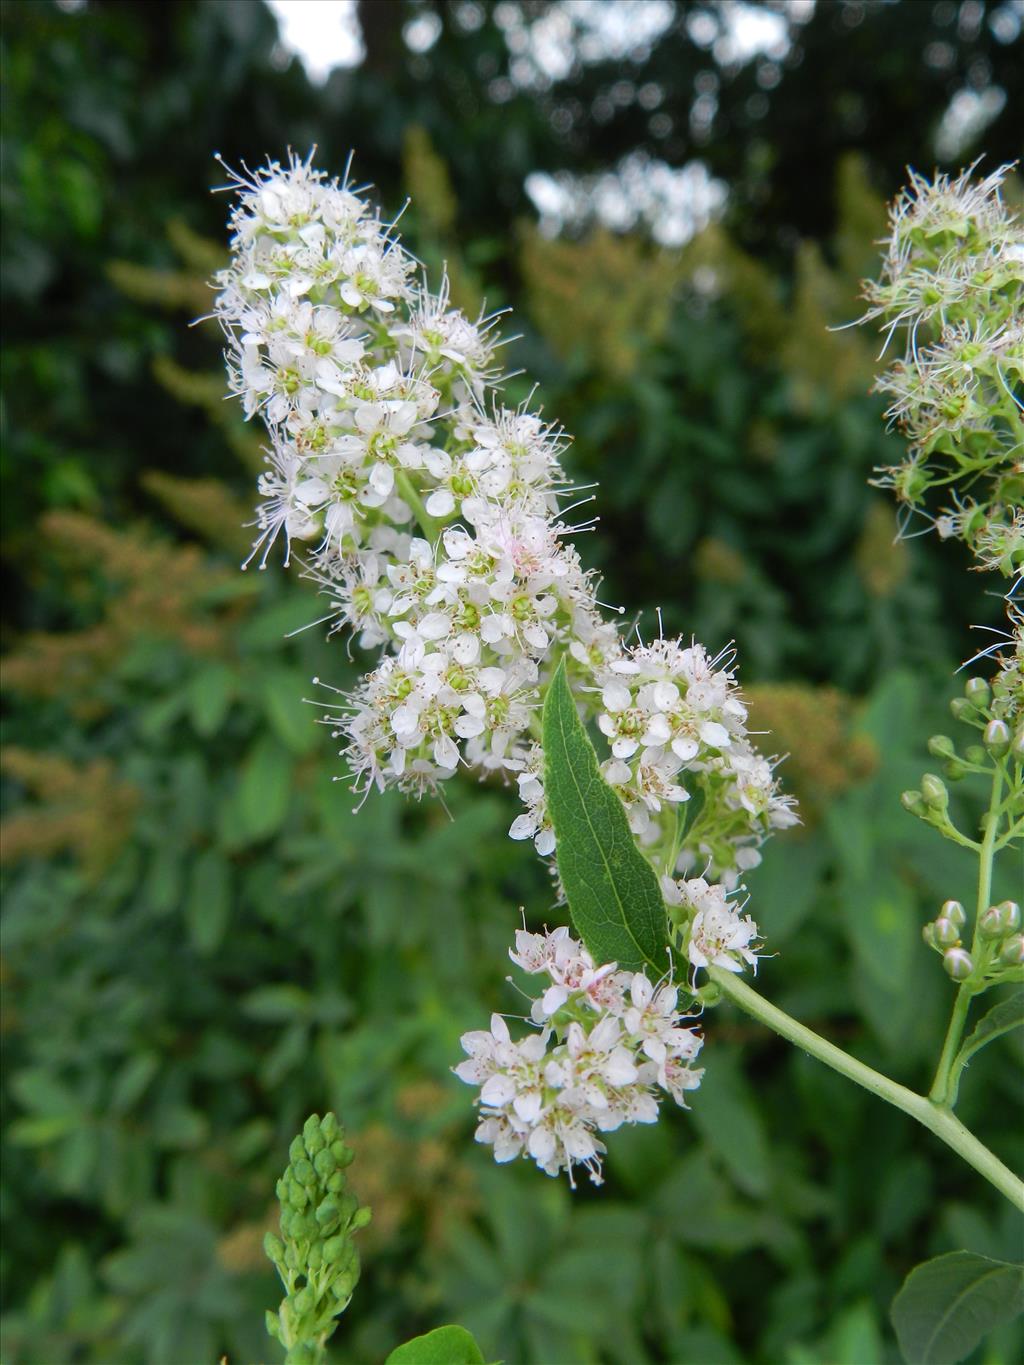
(442,1346)
(1001,1018)
(209,697)
(947,1305)
(208,906)
(614,898)
(263,789)
(291,718)
(727,1115)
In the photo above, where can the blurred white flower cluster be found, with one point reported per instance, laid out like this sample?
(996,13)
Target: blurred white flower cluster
(608,1045)
(433,519)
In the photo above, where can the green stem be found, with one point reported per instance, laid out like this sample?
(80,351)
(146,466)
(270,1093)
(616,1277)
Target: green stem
(426,522)
(937,1118)
(941,1091)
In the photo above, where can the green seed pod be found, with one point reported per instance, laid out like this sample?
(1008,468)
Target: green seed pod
(947,934)
(941,746)
(1011,954)
(958,963)
(978,692)
(997,738)
(953,910)
(934,792)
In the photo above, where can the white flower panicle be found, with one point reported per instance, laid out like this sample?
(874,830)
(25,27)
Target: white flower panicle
(607,1046)
(430,518)
(953,284)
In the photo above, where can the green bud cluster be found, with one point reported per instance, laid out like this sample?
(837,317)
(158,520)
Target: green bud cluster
(315,1254)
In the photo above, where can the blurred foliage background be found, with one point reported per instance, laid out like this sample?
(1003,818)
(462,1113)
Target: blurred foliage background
(202,943)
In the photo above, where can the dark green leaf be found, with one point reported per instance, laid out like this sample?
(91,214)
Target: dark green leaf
(209,901)
(442,1346)
(947,1305)
(614,898)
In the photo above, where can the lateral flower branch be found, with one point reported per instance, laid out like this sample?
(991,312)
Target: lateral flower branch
(435,521)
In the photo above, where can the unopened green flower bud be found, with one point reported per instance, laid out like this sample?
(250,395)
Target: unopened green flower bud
(1009,916)
(941,746)
(1011,954)
(978,692)
(304,1301)
(958,963)
(1017,747)
(947,934)
(327,1211)
(934,792)
(330,1127)
(304,1354)
(961,708)
(297,1151)
(953,910)
(997,738)
(312,1137)
(928,934)
(336,1247)
(274,1248)
(911,801)
(989,925)
(954,770)
(304,1173)
(343,1155)
(975,754)
(336,1182)
(315,1259)
(361,1218)
(324,1163)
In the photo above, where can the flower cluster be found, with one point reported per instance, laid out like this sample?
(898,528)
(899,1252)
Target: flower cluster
(953,284)
(670,710)
(607,1044)
(433,520)
(714,932)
